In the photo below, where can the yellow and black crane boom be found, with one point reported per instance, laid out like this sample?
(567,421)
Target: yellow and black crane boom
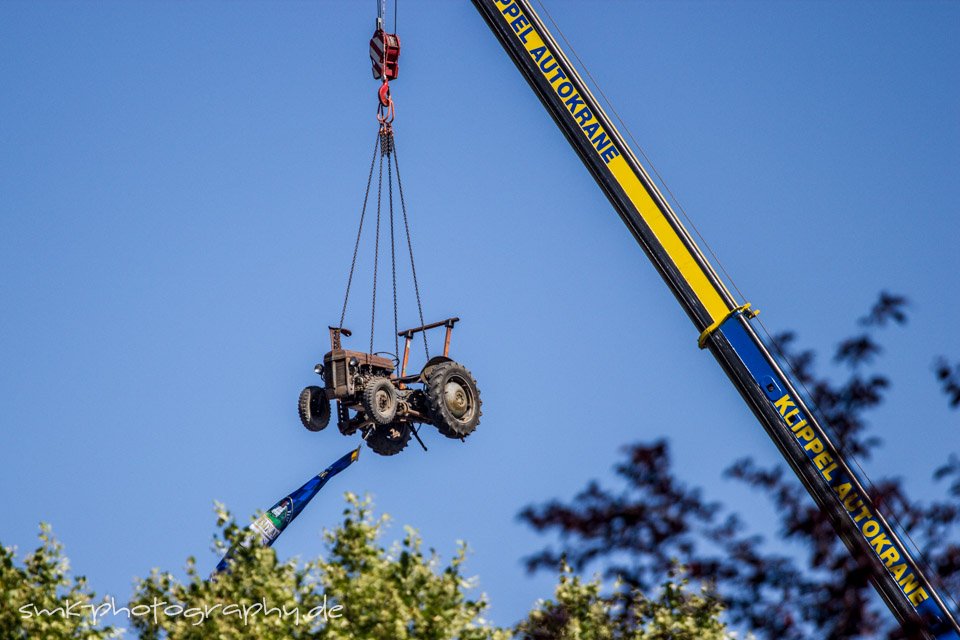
(722,322)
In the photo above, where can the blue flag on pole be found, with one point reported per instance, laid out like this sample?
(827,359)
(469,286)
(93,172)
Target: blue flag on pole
(271,524)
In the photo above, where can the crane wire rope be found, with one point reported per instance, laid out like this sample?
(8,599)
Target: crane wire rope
(382,12)
(356,245)
(919,557)
(385,146)
(413,265)
(934,576)
(393,260)
(640,148)
(376,257)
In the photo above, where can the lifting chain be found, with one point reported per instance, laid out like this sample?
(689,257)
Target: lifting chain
(386,150)
(384,56)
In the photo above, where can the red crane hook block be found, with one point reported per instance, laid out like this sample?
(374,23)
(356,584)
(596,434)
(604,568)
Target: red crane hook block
(385,55)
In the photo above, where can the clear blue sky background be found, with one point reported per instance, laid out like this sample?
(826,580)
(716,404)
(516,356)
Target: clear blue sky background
(180,185)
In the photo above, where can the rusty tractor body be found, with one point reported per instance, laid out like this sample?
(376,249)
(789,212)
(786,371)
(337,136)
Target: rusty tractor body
(383,404)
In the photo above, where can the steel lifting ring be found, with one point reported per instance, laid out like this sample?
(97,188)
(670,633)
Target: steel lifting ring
(385,114)
(385,111)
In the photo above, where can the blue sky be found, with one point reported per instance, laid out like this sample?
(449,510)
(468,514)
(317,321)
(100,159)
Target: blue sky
(180,185)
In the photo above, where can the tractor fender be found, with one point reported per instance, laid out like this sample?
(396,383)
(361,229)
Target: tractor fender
(431,363)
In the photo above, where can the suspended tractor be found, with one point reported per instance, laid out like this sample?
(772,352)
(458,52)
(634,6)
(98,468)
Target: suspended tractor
(383,406)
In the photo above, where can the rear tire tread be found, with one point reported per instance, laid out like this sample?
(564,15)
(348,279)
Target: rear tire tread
(445,422)
(381,442)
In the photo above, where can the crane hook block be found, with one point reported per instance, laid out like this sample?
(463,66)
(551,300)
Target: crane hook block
(385,55)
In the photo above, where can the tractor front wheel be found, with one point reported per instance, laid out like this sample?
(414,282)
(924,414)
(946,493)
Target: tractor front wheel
(380,401)
(314,408)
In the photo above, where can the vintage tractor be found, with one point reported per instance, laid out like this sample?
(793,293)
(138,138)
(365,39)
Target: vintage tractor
(385,406)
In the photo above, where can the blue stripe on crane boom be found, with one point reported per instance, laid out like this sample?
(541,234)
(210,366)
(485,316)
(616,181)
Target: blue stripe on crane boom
(718,318)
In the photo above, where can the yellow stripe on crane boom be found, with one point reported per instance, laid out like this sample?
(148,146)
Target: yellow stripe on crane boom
(681,256)
(723,323)
(570,89)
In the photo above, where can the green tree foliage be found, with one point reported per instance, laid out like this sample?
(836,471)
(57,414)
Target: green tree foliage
(579,611)
(636,533)
(359,590)
(637,530)
(36,595)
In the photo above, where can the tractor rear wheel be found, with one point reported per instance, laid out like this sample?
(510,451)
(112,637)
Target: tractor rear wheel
(389,439)
(453,400)
(314,408)
(380,401)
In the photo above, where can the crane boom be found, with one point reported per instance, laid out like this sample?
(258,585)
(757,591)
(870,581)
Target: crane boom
(722,322)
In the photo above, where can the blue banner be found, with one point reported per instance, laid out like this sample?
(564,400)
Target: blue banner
(271,524)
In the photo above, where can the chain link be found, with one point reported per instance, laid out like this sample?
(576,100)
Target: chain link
(356,245)
(393,260)
(385,145)
(413,266)
(376,257)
